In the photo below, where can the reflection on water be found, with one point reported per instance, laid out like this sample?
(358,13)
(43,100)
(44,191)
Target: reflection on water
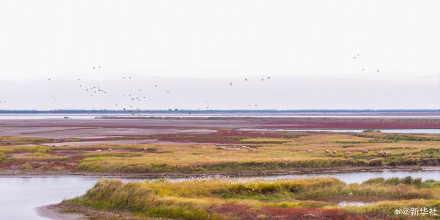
(352,203)
(19,196)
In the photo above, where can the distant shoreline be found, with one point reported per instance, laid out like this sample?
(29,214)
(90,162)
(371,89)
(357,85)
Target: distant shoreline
(238,174)
(213,111)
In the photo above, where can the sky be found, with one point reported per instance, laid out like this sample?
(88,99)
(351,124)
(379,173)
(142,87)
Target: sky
(315,54)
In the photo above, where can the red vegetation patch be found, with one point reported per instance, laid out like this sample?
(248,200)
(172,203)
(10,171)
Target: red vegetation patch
(307,213)
(15,164)
(235,211)
(219,137)
(11,163)
(362,123)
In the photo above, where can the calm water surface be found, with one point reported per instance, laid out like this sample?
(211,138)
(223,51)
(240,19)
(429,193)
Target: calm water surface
(203,115)
(19,196)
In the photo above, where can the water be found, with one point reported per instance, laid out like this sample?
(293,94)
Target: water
(47,116)
(19,196)
(205,115)
(345,203)
(395,131)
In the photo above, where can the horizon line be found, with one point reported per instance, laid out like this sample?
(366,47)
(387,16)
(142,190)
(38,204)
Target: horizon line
(218,110)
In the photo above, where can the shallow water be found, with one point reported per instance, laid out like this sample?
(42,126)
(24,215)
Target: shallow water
(205,115)
(47,116)
(19,196)
(352,203)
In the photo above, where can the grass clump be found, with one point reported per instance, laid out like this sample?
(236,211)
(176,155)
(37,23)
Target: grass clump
(26,166)
(247,198)
(141,200)
(6,140)
(397,137)
(386,209)
(38,156)
(396,181)
(114,164)
(13,149)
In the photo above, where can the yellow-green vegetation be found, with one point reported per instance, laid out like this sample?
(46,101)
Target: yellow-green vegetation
(265,140)
(21,140)
(287,154)
(217,198)
(26,166)
(252,154)
(39,156)
(2,156)
(22,148)
(95,155)
(398,137)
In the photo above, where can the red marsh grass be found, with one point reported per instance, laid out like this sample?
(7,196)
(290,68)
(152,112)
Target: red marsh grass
(218,198)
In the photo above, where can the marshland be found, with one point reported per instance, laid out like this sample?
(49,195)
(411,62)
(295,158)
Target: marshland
(219,109)
(218,170)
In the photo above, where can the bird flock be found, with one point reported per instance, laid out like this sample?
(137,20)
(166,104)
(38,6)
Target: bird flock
(356,57)
(136,97)
(134,100)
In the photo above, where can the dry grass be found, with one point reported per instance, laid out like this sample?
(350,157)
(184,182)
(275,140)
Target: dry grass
(264,154)
(287,155)
(38,156)
(248,198)
(21,140)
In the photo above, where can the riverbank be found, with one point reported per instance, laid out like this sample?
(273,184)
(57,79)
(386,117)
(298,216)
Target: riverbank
(27,192)
(59,212)
(31,173)
(68,211)
(219,198)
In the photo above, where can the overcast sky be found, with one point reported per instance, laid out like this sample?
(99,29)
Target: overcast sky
(185,54)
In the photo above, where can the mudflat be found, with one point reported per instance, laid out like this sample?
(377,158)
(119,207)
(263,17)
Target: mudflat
(199,146)
(97,128)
